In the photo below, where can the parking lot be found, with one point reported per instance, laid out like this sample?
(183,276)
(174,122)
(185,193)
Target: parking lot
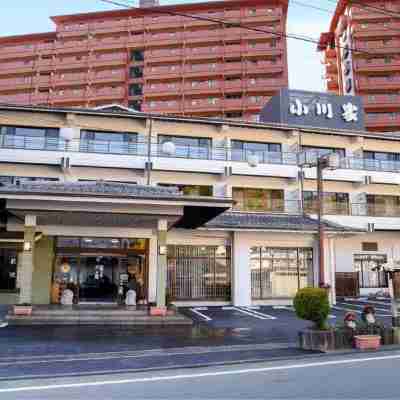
(278,323)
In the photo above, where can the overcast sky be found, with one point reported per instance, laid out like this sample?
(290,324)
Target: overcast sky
(305,69)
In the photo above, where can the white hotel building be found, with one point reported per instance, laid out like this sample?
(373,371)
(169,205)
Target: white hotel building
(89,197)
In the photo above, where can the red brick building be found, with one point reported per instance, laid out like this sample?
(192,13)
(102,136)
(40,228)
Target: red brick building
(371,27)
(146,59)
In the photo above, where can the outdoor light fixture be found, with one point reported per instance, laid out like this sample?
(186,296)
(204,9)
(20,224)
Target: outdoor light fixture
(27,246)
(162,250)
(252,160)
(168,148)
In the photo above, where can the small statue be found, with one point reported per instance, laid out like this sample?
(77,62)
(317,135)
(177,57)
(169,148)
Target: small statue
(130,299)
(67,297)
(368,315)
(350,320)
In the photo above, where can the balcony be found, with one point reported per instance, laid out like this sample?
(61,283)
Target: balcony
(108,77)
(384,102)
(66,80)
(375,210)
(329,207)
(13,84)
(386,120)
(107,93)
(68,96)
(21,51)
(16,68)
(377,65)
(377,83)
(22,98)
(268,206)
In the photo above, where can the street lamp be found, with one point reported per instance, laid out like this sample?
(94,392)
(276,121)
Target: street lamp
(329,161)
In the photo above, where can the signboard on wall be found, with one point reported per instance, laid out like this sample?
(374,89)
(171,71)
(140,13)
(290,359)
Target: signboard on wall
(314,109)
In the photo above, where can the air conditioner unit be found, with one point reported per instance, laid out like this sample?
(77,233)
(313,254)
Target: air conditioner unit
(65,164)
(371,227)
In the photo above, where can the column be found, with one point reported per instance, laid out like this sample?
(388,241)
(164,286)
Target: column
(162,262)
(26,262)
(241,272)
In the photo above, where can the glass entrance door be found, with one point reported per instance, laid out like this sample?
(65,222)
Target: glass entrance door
(99,278)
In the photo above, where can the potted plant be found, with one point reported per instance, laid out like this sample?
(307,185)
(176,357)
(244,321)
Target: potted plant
(370,339)
(312,304)
(23,309)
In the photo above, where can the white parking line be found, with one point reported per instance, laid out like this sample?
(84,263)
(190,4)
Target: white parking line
(3,324)
(197,312)
(260,314)
(252,313)
(290,308)
(360,306)
(381,303)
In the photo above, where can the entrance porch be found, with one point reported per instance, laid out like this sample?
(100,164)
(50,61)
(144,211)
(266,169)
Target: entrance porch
(93,239)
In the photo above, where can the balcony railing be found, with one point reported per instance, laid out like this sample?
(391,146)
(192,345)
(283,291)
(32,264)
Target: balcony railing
(268,206)
(375,210)
(31,143)
(328,208)
(369,165)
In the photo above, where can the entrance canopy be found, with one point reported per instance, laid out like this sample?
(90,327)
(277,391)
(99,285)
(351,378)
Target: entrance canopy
(106,204)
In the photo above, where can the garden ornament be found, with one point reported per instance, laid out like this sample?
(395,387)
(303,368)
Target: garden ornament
(67,297)
(130,299)
(350,320)
(368,315)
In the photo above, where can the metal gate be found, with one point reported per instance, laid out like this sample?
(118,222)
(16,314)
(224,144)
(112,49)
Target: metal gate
(199,273)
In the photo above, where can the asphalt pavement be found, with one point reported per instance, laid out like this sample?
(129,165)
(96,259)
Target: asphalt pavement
(368,376)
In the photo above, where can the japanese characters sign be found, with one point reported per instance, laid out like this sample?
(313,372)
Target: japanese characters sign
(319,110)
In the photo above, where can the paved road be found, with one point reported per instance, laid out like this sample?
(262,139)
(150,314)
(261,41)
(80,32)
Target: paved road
(368,376)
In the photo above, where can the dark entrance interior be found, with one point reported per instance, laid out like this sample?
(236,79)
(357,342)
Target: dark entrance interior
(100,270)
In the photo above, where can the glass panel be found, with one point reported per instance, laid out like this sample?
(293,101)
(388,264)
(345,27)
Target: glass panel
(8,269)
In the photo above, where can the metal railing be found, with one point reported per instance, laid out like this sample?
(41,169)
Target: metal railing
(218,153)
(375,210)
(329,208)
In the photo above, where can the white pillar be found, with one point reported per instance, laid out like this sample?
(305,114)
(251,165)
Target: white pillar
(241,273)
(162,263)
(152,292)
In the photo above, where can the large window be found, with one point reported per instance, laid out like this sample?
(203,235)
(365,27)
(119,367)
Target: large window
(279,272)
(191,190)
(108,142)
(187,147)
(199,272)
(333,203)
(22,137)
(260,200)
(8,269)
(370,270)
(381,205)
(266,152)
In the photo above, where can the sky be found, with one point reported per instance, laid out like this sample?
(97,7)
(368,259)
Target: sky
(305,68)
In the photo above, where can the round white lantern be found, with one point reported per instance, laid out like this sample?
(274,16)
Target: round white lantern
(169,148)
(67,134)
(252,160)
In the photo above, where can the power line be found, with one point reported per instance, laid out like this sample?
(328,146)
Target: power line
(369,7)
(306,5)
(303,38)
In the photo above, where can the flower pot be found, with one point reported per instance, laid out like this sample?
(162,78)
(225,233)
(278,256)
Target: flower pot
(367,342)
(23,310)
(317,340)
(158,311)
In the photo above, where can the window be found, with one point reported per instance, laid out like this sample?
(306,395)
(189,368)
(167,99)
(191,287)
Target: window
(333,203)
(188,147)
(8,269)
(137,55)
(199,272)
(369,246)
(135,72)
(279,272)
(370,270)
(266,152)
(316,151)
(382,206)
(135,89)
(108,142)
(258,200)
(31,138)
(253,11)
(191,190)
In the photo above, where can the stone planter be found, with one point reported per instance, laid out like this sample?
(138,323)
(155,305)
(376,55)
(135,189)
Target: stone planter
(317,340)
(23,310)
(367,342)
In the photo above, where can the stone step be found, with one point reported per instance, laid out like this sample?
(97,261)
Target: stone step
(96,320)
(83,313)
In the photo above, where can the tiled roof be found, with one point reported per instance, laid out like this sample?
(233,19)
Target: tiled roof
(98,187)
(236,220)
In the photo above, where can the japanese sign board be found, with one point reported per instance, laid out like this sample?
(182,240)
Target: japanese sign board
(313,109)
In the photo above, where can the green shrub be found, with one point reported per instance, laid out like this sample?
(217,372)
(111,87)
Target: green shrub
(312,304)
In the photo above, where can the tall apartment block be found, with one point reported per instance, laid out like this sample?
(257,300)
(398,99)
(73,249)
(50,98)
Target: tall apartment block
(362,57)
(152,61)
